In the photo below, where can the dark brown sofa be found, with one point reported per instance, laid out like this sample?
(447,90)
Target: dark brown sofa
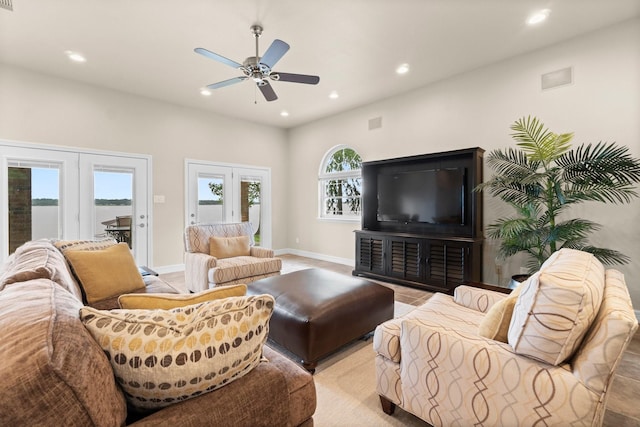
(54,372)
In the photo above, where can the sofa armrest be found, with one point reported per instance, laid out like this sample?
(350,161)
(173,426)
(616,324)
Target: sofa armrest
(451,377)
(196,270)
(260,252)
(477,299)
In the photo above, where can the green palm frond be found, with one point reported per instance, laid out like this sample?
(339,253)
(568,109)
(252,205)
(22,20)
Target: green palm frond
(539,143)
(604,173)
(605,256)
(542,178)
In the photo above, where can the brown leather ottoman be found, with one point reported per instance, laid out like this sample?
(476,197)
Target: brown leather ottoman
(318,311)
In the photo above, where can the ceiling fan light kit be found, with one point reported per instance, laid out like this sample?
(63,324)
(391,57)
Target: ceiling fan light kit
(259,69)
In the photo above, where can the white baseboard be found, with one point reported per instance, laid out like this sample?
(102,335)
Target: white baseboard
(314,255)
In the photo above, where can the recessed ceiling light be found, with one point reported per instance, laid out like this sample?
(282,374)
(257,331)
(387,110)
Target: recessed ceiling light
(334,95)
(284,113)
(538,17)
(75,56)
(402,69)
(205,92)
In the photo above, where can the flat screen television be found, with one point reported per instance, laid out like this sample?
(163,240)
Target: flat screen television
(428,196)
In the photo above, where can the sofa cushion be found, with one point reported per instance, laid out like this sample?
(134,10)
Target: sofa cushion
(557,306)
(39,259)
(52,370)
(161,357)
(106,272)
(169,301)
(229,247)
(230,269)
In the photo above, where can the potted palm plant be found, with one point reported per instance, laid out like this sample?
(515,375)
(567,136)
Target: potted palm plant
(542,178)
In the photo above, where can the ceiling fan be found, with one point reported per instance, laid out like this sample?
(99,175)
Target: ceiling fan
(259,69)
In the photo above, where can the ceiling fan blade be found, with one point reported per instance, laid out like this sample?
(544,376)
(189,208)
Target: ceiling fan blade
(227,82)
(298,78)
(276,51)
(215,56)
(267,91)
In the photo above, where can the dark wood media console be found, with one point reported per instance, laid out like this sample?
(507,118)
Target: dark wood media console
(437,255)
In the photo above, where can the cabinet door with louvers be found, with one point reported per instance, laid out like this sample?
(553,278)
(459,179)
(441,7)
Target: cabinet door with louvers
(406,259)
(370,254)
(446,263)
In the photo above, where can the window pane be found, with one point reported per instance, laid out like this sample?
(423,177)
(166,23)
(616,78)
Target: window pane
(344,160)
(210,199)
(34,208)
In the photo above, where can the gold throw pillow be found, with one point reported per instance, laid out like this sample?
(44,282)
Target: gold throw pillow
(105,273)
(169,301)
(229,247)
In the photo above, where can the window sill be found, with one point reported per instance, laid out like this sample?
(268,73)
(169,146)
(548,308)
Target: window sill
(337,219)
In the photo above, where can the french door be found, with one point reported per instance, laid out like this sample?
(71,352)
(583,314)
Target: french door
(223,193)
(115,201)
(47,192)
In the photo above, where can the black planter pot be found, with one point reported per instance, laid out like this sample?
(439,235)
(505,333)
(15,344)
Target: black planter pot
(516,279)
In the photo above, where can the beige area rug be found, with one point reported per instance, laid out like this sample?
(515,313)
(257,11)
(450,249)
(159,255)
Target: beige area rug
(346,388)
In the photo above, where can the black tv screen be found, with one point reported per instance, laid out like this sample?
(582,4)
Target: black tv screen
(434,196)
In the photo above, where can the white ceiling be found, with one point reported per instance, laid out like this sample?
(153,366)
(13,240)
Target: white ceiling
(145,47)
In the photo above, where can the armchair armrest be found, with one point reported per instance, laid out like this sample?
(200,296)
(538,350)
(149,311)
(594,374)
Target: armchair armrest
(260,252)
(476,298)
(196,270)
(452,377)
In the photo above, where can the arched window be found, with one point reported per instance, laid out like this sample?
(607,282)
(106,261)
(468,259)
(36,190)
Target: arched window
(340,184)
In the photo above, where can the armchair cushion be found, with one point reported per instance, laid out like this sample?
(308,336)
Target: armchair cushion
(229,247)
(160,357)
(557,306)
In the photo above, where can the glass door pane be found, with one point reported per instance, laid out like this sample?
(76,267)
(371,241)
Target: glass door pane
(112,198)
(250,204)
(211,198)
(34,203)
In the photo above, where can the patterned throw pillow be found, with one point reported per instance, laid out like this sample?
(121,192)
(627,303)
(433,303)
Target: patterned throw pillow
(83,245)
(169,301)
(557,306)
(161,357)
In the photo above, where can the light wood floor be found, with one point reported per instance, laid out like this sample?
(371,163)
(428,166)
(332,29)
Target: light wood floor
(623,407)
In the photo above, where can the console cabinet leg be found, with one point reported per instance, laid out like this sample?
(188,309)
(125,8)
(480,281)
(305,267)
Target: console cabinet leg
(388,407)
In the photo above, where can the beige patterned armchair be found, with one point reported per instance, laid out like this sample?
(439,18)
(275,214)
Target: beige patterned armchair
(224,254)
(570,325)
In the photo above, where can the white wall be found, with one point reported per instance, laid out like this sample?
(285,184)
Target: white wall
(476,109)
(44,109)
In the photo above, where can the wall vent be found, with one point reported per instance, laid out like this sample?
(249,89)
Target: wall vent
(557,78)
(375,123)
(6,4)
